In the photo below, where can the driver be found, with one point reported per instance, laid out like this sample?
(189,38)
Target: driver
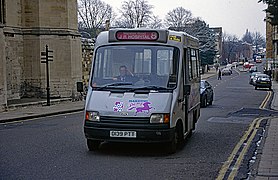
(125,75)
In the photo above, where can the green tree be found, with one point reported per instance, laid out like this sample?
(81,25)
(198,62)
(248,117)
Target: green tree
(272,9)
(206,38)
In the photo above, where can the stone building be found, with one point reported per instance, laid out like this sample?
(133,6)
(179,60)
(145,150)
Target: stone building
(272,43)
(26,27)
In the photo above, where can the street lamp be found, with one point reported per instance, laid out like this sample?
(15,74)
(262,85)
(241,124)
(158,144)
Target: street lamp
(84,32)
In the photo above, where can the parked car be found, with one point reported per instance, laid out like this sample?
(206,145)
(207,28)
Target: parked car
(230,66)
(248,65)
(258,59)
(253,76)
(262,81)
(253,69)
(235,64)
(226,71)
(207,93)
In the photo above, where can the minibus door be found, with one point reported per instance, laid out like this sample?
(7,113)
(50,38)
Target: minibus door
(186,88)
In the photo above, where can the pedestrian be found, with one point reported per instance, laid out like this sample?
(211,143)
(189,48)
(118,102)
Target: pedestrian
(219,74)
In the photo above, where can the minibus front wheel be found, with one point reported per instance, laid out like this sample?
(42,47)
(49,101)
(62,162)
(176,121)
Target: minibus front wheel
(177,139)
(93,145)
(172,146)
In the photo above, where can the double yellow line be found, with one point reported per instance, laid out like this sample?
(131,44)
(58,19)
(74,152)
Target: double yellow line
(266,99)
(230,168)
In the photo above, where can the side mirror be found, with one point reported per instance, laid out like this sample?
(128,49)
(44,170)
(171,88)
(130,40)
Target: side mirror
(79,86)
(186,89)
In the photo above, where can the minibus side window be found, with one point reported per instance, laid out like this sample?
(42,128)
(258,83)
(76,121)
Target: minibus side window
(189,64)
(194,64)
(173,75)
(98,61)
(198,63)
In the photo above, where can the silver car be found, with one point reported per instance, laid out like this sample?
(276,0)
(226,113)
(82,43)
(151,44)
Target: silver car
(226,71)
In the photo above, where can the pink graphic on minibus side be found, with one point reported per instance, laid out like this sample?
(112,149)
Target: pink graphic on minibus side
(140,107)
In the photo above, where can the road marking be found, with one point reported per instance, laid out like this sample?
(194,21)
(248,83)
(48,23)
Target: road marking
(244,151)
(237,71)
(230,168)
(266,99)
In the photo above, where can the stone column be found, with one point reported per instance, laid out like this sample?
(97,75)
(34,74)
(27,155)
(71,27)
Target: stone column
(52,23)
(3,82)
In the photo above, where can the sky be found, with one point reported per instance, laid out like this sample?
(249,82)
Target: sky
(234,16)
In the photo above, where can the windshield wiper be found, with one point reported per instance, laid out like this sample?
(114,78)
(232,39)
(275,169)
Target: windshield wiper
(151,88)
(115,84)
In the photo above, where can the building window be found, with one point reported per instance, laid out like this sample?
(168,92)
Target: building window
(277,48)
(2,12)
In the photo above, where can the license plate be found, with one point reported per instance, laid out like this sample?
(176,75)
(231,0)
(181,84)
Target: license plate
(125,134)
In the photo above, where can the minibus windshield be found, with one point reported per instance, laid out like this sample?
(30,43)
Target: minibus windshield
(135,66)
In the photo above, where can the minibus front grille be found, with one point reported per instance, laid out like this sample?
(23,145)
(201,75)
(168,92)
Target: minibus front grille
(124,120)
(109,122)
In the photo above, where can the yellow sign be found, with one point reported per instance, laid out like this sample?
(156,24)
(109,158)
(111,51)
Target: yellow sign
(175,38)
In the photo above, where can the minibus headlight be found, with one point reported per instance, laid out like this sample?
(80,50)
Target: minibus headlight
(160,118)
(92,116)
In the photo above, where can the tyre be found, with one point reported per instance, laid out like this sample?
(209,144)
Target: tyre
(177,140)
(190,133)
(211,99)
(256,87)
(93,145)
(204,101)
(172,146)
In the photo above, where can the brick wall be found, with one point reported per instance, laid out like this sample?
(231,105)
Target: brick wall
(87,55)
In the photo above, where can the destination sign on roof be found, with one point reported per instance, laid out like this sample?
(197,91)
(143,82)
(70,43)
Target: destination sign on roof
(137,36)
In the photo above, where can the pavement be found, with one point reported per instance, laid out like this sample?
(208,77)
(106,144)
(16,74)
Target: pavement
(267,168)
(27,109)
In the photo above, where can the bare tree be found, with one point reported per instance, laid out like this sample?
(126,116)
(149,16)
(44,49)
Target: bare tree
(258,40)
(155,23)
(230,44)
(135,13)
(93,14)
(178,17)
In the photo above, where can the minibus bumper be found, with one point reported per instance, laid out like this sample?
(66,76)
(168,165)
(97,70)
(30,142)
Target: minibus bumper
(142,135)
